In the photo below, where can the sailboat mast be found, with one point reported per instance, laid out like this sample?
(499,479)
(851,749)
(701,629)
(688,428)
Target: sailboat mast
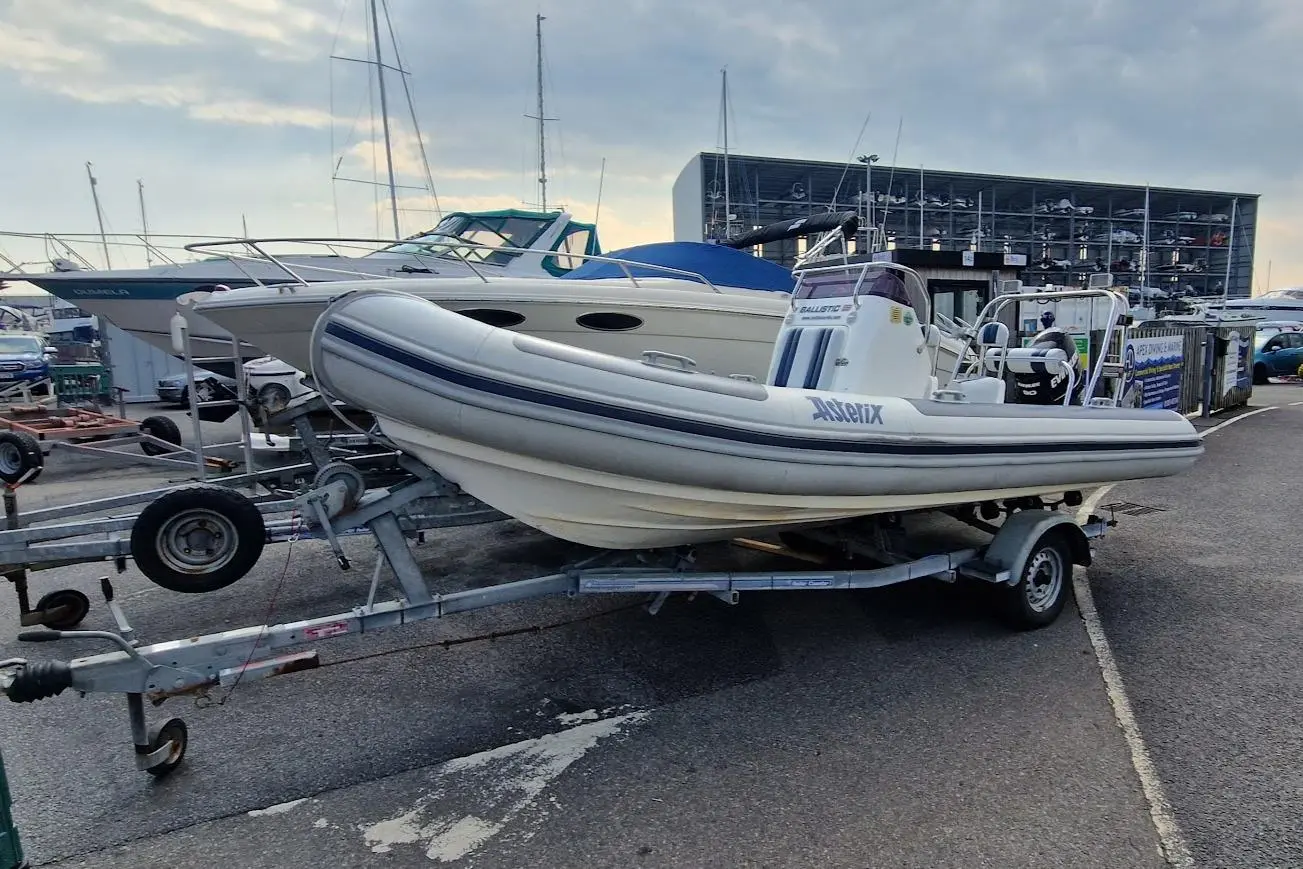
(601,179)
(728,204)
(144,221)
(384,119)
(542,136)
(99,215)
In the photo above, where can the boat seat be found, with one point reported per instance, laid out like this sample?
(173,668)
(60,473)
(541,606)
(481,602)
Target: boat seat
(1026,360)
(982,390)
(994,335)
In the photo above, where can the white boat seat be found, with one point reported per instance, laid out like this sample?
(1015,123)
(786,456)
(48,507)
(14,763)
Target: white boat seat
(983,390)
(994,335)
(1026,360)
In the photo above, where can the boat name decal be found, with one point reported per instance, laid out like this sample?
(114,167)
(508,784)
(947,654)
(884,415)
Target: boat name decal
(845,411)
(101,292)
(822,309)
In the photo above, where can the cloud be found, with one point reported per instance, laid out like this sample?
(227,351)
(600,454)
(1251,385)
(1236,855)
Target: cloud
(1200,93)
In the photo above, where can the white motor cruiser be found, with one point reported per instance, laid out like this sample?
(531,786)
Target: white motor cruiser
(142,301)
(714,305)
(850,420)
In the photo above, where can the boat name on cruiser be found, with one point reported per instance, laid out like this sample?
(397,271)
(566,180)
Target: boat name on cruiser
(845,411)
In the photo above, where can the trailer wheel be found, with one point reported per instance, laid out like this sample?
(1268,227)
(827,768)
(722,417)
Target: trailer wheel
(74,604)
(171,732)
(198,539)
(1042,590)
(162,427)
(19,453)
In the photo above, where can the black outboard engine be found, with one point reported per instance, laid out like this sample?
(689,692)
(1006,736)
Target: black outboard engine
(1050,385)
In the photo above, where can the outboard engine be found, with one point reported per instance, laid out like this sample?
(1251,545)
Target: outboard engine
(1049,383)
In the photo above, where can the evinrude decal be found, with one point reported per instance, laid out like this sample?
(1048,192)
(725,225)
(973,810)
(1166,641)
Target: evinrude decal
(832,410)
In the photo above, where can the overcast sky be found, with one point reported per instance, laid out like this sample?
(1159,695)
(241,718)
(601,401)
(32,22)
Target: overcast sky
(231,108)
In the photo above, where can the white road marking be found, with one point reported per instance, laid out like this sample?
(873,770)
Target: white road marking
(498,784)
(278,809)
(1172,841)
(1235,419)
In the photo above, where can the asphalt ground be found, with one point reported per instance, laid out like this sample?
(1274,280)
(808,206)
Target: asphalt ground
(888,728)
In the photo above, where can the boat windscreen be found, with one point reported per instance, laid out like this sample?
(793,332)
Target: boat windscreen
(900,287)
(487,232)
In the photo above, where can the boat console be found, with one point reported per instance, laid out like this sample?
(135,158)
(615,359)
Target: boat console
(858,328)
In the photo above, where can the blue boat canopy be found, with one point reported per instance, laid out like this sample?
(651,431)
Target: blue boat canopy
(720,265)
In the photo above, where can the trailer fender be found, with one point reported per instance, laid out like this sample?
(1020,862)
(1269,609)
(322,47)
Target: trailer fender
(1020,533)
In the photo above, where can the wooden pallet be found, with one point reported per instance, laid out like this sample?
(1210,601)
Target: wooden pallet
(48,424)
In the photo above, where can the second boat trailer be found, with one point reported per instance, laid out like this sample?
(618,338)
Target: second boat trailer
(1027,563)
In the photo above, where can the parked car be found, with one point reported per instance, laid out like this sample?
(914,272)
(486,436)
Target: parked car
(173,389)
(272,383)
(24,357)
(1276,354)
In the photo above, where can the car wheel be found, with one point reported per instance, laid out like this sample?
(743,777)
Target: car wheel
(1259,374)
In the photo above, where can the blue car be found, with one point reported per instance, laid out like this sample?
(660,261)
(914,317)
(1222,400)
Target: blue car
(24,357)
(1277,354)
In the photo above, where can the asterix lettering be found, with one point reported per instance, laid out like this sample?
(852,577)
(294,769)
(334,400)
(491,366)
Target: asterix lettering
(833,410)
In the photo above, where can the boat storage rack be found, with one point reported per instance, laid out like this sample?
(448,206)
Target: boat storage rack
(1028,564)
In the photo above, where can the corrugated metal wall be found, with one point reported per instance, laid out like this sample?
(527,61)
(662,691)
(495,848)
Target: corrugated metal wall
(137,366)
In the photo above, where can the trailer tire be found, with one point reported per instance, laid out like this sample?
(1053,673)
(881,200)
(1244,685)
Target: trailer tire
(76,603)
(19,453)
(1042,589)
(162,427)
(198,539)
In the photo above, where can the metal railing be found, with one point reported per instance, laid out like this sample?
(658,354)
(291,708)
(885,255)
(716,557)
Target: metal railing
(455,252)
(66,246)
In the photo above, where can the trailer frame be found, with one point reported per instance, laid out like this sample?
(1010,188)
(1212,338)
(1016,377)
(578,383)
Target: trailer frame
(1028,562)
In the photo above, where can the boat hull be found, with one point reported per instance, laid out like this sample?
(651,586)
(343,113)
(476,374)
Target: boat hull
(142,302)
(727,333)
(612,453)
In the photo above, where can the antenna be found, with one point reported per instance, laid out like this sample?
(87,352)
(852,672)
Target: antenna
(99,215)
(1230,250)
(384,118)
(144,222)
(891,177)
(600,180)
(540,117)
(1144,252)
(728,204)
(850,159)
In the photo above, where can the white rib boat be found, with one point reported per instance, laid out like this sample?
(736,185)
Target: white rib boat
(624,454)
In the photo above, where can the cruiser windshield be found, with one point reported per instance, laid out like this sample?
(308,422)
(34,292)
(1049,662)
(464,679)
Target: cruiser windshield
(486,232)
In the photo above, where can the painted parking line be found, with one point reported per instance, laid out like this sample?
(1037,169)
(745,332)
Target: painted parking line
(1175,848)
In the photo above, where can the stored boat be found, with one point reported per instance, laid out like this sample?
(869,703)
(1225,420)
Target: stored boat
(850,421)
(142,301)
(723,316)
(713,304)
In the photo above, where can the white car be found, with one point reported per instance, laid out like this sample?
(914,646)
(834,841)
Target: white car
(1131,212)
(272,383)
(1183,215)
(1118,236)
(1216,217)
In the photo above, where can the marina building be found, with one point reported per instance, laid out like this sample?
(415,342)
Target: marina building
(1200,243)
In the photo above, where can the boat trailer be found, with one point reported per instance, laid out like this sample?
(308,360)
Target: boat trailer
(1028,565)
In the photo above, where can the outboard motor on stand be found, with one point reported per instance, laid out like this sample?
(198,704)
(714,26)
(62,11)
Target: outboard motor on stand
(1049,383)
